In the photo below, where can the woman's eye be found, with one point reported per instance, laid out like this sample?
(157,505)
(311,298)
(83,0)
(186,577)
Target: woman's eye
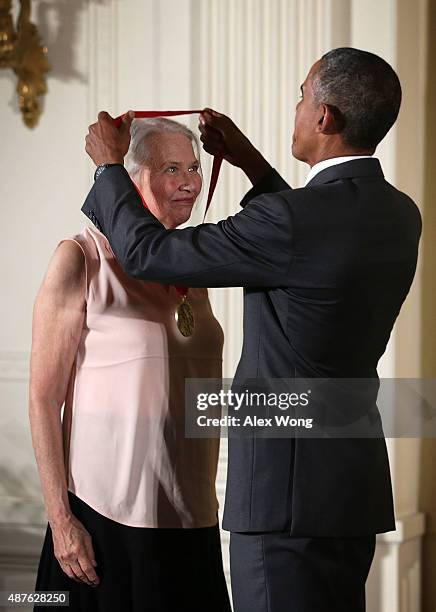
(172,169)
(193,168)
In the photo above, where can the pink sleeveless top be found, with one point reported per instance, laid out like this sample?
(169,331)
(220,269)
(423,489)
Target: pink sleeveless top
(124,417)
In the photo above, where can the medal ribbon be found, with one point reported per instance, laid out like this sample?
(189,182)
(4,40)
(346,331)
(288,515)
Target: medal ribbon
(216,167)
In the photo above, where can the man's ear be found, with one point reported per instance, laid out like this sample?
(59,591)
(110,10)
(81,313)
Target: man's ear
(331,121)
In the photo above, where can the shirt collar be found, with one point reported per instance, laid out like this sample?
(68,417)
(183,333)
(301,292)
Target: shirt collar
(333,161)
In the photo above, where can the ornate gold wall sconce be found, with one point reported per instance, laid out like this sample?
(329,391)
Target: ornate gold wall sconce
(21,50)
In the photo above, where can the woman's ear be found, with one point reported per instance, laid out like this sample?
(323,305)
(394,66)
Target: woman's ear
(141,180)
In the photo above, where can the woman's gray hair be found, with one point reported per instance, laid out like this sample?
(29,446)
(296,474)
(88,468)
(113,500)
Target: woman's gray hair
(141,130)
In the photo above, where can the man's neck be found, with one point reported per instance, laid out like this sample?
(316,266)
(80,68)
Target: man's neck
(338,152)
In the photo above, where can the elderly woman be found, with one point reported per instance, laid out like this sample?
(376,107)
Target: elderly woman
(130,502)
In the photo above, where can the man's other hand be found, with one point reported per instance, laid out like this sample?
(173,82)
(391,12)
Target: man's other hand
(105,142)
(221,137)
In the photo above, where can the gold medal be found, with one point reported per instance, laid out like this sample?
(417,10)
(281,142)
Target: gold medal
(185,318)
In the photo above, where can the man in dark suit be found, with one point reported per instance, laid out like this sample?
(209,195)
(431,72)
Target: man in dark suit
(325,270)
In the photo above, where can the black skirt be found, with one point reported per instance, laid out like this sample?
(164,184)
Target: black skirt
(140,569)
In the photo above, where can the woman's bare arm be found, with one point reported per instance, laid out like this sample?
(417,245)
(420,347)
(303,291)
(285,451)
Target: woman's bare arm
(58,318)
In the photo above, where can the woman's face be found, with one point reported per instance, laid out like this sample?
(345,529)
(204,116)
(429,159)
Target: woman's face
(171,182)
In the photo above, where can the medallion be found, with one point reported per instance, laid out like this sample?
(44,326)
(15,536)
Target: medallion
(185,318)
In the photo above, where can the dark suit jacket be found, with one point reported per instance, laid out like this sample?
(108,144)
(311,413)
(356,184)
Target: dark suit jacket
(325,270)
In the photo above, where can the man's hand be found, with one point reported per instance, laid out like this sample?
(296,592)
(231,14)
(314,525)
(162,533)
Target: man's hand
(105,142)
(221,137)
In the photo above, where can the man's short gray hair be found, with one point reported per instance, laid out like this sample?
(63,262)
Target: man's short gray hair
(141,130)
(364,91)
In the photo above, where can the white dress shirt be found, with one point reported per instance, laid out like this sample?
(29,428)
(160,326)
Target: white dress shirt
(326,163)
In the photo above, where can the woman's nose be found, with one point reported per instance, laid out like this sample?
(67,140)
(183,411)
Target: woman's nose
(188,182)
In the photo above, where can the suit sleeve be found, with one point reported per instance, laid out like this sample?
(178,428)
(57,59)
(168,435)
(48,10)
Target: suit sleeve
(272,182)
(251,248)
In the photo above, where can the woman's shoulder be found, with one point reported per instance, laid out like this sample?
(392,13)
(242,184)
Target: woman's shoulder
(89,241)
(76,256)
(66,269)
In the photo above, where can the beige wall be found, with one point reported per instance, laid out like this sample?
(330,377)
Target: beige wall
(116,54)
(415,350)
(427,497)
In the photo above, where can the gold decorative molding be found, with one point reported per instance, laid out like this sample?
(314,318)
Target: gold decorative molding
(22,51)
